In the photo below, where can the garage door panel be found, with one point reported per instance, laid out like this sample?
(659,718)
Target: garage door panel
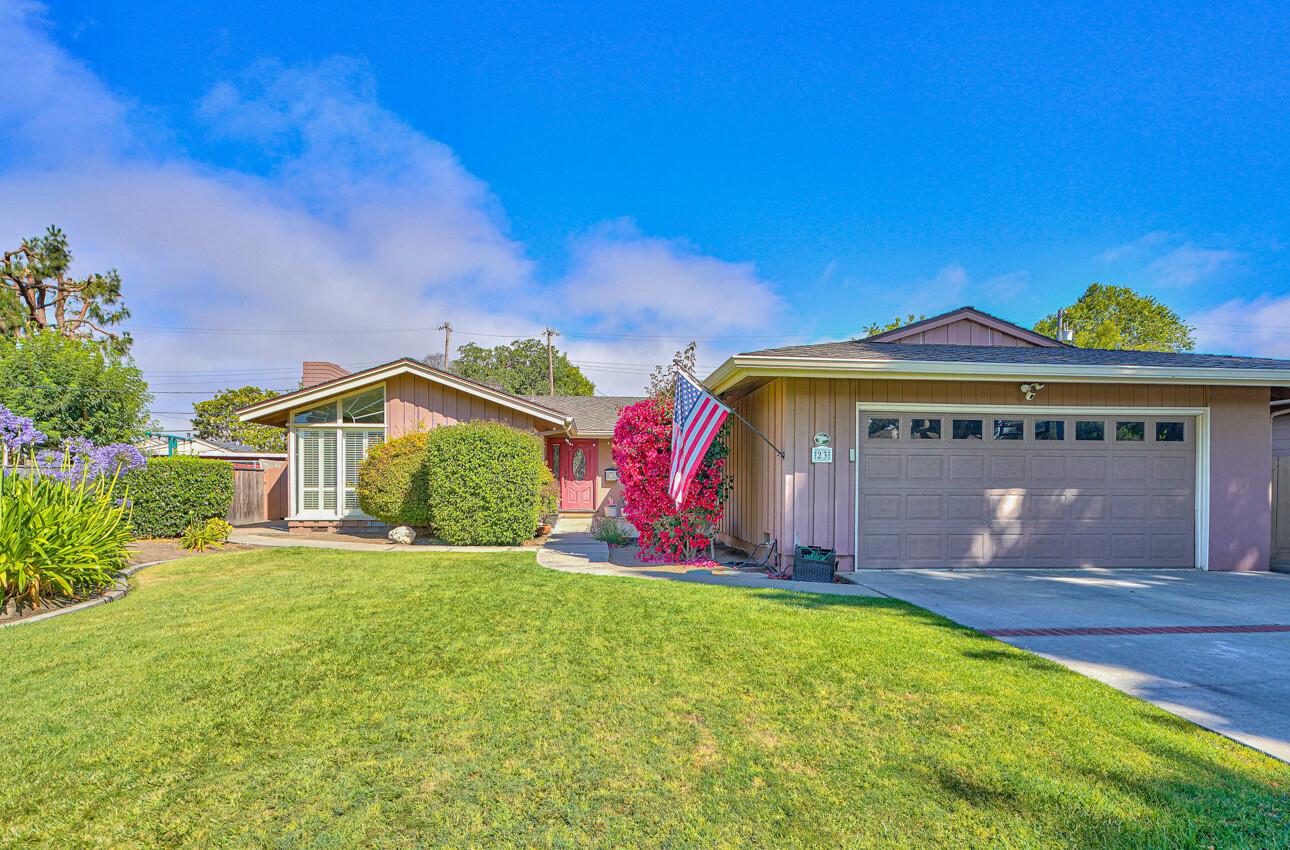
(924,506)
(967,468)
(1013,502)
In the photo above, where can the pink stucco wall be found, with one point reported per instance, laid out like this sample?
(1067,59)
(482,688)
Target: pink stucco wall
(1240,475)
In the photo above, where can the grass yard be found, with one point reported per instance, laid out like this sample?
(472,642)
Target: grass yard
(314,699)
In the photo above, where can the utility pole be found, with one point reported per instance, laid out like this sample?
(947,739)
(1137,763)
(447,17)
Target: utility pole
(550,361)
(446,327)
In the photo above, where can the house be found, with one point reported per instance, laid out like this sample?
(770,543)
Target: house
(964,440)
(337,416)
(161,444)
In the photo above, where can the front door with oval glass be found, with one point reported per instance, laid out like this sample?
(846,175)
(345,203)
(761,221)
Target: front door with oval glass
(575,464)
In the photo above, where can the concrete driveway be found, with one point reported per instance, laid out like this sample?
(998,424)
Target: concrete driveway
(1213,648)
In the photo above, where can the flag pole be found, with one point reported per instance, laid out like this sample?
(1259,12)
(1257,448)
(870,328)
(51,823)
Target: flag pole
(735,413)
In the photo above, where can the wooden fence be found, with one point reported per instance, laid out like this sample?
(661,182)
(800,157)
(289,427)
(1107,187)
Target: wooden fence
(259,491)
(1281,509)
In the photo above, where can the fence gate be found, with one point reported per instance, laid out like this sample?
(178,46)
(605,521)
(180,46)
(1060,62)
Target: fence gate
(1281,509)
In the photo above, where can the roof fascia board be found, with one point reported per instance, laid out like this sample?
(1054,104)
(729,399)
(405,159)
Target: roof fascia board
(737,368)
(360,379)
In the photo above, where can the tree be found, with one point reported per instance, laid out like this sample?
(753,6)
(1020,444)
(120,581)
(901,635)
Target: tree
(40,294)
(662,383)
(518,367)
(216,419)
(73,387)
(1117,317)
(881,328)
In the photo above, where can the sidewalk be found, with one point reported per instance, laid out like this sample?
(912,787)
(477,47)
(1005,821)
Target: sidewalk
(579,552)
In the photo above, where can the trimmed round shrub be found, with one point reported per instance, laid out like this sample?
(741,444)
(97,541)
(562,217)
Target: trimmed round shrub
(486,482)
(171,492)
(392,481)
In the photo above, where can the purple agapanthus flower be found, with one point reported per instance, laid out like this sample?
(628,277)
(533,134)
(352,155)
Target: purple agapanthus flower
(17,433)
(81,459)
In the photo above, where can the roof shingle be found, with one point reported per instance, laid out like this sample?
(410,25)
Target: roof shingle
(592,414)
(1070,356)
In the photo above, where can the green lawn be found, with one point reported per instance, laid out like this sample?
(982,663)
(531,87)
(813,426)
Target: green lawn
(301,698)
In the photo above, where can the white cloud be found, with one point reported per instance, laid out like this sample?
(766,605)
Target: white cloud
(623,278)
(362,222)
(1138,247)
(1172,261)
(1188,264)
(1259,327)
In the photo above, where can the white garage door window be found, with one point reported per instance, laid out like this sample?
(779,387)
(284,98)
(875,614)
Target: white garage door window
(942,487)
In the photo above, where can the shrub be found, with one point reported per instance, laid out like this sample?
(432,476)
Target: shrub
(549,509)
(611,531)
(58,538)
(392,484)
(485,482)
(200,536)
(169,493)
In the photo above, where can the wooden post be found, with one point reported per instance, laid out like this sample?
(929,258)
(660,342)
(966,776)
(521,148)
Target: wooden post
(550,361)
(446,327)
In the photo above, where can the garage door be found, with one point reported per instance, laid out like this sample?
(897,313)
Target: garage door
(1019,490)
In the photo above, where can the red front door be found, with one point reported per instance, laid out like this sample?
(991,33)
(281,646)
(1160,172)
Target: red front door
(575,463)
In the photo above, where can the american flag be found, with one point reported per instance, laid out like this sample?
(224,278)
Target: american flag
(696,418)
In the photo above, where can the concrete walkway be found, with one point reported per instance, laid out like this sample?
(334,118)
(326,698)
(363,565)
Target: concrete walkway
(576,551)
(262,537)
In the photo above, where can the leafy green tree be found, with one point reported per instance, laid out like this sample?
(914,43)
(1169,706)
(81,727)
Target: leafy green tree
(882,327)
(216,419)
(1117,317)
(518,367)
(73,387)
(39,293)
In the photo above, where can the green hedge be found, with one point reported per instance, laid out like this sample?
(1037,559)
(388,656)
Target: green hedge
(485,483)
(392,481)
(170,492)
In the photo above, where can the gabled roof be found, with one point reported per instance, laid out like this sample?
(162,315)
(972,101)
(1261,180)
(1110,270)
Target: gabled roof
(265,410)
(972,314)
(593,415)
(864,358)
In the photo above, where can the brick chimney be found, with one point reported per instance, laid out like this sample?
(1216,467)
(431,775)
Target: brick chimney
(317,371)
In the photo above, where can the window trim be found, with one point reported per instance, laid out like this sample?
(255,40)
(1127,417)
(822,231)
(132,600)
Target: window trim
(295,489)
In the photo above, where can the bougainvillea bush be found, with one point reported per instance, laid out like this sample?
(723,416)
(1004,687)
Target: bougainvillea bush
(643,455)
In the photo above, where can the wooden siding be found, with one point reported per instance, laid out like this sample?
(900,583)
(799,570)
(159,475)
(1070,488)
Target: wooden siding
(794,500)
(965,332)
(413,403)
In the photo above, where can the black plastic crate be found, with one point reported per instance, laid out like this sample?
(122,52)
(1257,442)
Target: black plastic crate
(815,563)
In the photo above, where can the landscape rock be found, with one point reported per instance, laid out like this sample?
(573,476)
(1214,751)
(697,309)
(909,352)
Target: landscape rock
(402,534)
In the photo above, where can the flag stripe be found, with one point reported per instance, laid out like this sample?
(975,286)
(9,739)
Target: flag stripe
(696,419)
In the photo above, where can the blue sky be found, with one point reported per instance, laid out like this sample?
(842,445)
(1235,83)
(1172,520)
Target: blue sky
(625,173)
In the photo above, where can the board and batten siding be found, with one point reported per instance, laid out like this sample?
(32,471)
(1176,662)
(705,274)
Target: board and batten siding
(413,403)
(793,500)
(965,332)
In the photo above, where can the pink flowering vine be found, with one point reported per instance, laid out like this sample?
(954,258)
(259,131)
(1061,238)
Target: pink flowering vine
(643,455)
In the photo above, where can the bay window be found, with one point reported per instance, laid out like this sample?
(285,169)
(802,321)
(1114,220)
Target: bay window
(329,441)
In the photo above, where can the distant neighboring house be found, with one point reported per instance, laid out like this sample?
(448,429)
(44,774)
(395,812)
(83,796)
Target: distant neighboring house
(337,416)
(160,444)
(964,440)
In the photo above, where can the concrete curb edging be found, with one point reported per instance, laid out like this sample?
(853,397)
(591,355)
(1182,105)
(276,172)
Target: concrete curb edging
(120,589)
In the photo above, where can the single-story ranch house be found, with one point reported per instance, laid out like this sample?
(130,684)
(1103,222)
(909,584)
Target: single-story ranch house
(957,441)
(966,441)
(337,415)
